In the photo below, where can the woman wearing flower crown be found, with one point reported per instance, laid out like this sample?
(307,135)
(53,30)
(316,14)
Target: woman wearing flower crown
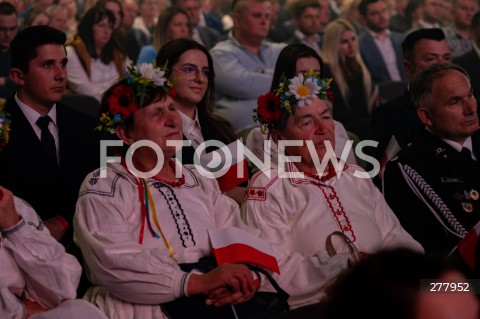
(317,217)
(296,58)
(134,230)
(352,89)
(191,66)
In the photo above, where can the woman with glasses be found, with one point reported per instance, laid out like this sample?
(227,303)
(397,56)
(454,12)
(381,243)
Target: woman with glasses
(190,66)
(172,24)
(136,231)
(95,62)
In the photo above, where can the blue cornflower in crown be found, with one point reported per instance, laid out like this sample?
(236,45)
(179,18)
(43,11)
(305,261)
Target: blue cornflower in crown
(137,86)
(298,91)
(4,125)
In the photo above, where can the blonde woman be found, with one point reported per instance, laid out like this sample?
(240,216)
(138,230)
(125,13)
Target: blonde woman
(352,81)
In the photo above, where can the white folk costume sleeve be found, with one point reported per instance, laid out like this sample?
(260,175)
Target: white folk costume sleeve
(302,276)
(108,223)
(34,266)
(298,214)
(111,249)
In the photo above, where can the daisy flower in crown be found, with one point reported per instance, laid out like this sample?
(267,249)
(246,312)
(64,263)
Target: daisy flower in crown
(295,92)
(129,94)
(304,89)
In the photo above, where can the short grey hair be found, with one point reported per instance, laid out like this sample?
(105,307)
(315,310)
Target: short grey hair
(422,83)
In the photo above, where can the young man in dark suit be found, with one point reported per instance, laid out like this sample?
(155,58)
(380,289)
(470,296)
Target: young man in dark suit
(51,147)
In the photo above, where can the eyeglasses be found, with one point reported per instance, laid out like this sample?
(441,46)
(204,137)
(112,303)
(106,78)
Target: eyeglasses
(191,72)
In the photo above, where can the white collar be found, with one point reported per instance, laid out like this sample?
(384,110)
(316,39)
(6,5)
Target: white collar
(32,115)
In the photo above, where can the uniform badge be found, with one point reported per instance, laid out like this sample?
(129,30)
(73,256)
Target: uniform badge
(474,194)
(467,207)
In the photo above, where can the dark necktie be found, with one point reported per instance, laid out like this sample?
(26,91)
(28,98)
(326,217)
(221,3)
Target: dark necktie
(47,140)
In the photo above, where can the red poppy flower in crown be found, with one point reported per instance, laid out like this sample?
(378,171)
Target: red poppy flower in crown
(4,126)
(139,85)
(275,107)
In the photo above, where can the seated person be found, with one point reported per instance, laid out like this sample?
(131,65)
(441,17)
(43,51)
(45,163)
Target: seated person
(172,24)
(433,185)
(300,209)
(95,61)
(134,230)
(402,284)
(190,65)
(305,58)
(38,279)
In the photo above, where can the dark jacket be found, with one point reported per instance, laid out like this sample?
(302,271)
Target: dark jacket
(27,171)
(397,117)
(446,181)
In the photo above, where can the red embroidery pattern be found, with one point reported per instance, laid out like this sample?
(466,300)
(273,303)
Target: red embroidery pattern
(337,210)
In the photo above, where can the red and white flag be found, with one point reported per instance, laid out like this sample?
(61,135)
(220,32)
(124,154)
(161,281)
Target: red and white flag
(227,165)
(390,151)
(469,247)
(234,245)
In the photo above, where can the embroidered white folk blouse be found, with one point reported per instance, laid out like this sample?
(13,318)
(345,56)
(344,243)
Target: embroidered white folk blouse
(34,266)
(297,214)
(133,279)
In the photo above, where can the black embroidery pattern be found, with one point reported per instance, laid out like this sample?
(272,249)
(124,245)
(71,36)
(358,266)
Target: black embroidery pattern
(183,227)
(94,179)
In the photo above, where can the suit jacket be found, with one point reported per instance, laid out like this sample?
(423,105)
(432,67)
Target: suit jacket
(397,117)
(26,170)
(470,61)
(449,175)
(214,22)
(374,60)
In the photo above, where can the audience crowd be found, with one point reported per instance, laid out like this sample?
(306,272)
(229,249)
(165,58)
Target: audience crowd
(361,125)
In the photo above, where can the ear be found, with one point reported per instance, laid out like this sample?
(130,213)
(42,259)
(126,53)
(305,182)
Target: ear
(408,67)
(16,75)
(425,116)
(124,135)
(236,19)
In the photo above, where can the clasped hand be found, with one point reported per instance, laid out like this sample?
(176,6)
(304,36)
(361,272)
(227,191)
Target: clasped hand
(225,285)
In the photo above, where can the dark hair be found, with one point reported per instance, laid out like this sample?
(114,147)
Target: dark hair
(164,20)
(287,62)
(85,32)
(7,9)
(475,24)
(102,3)
(421,85)
(286,65)
(299,6)
(24,46)
(170,53)
(408,45)
(384,285)
(363,5)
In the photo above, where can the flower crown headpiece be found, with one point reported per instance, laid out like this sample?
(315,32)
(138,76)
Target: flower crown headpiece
(126,97)
(299,90)
(4,125)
